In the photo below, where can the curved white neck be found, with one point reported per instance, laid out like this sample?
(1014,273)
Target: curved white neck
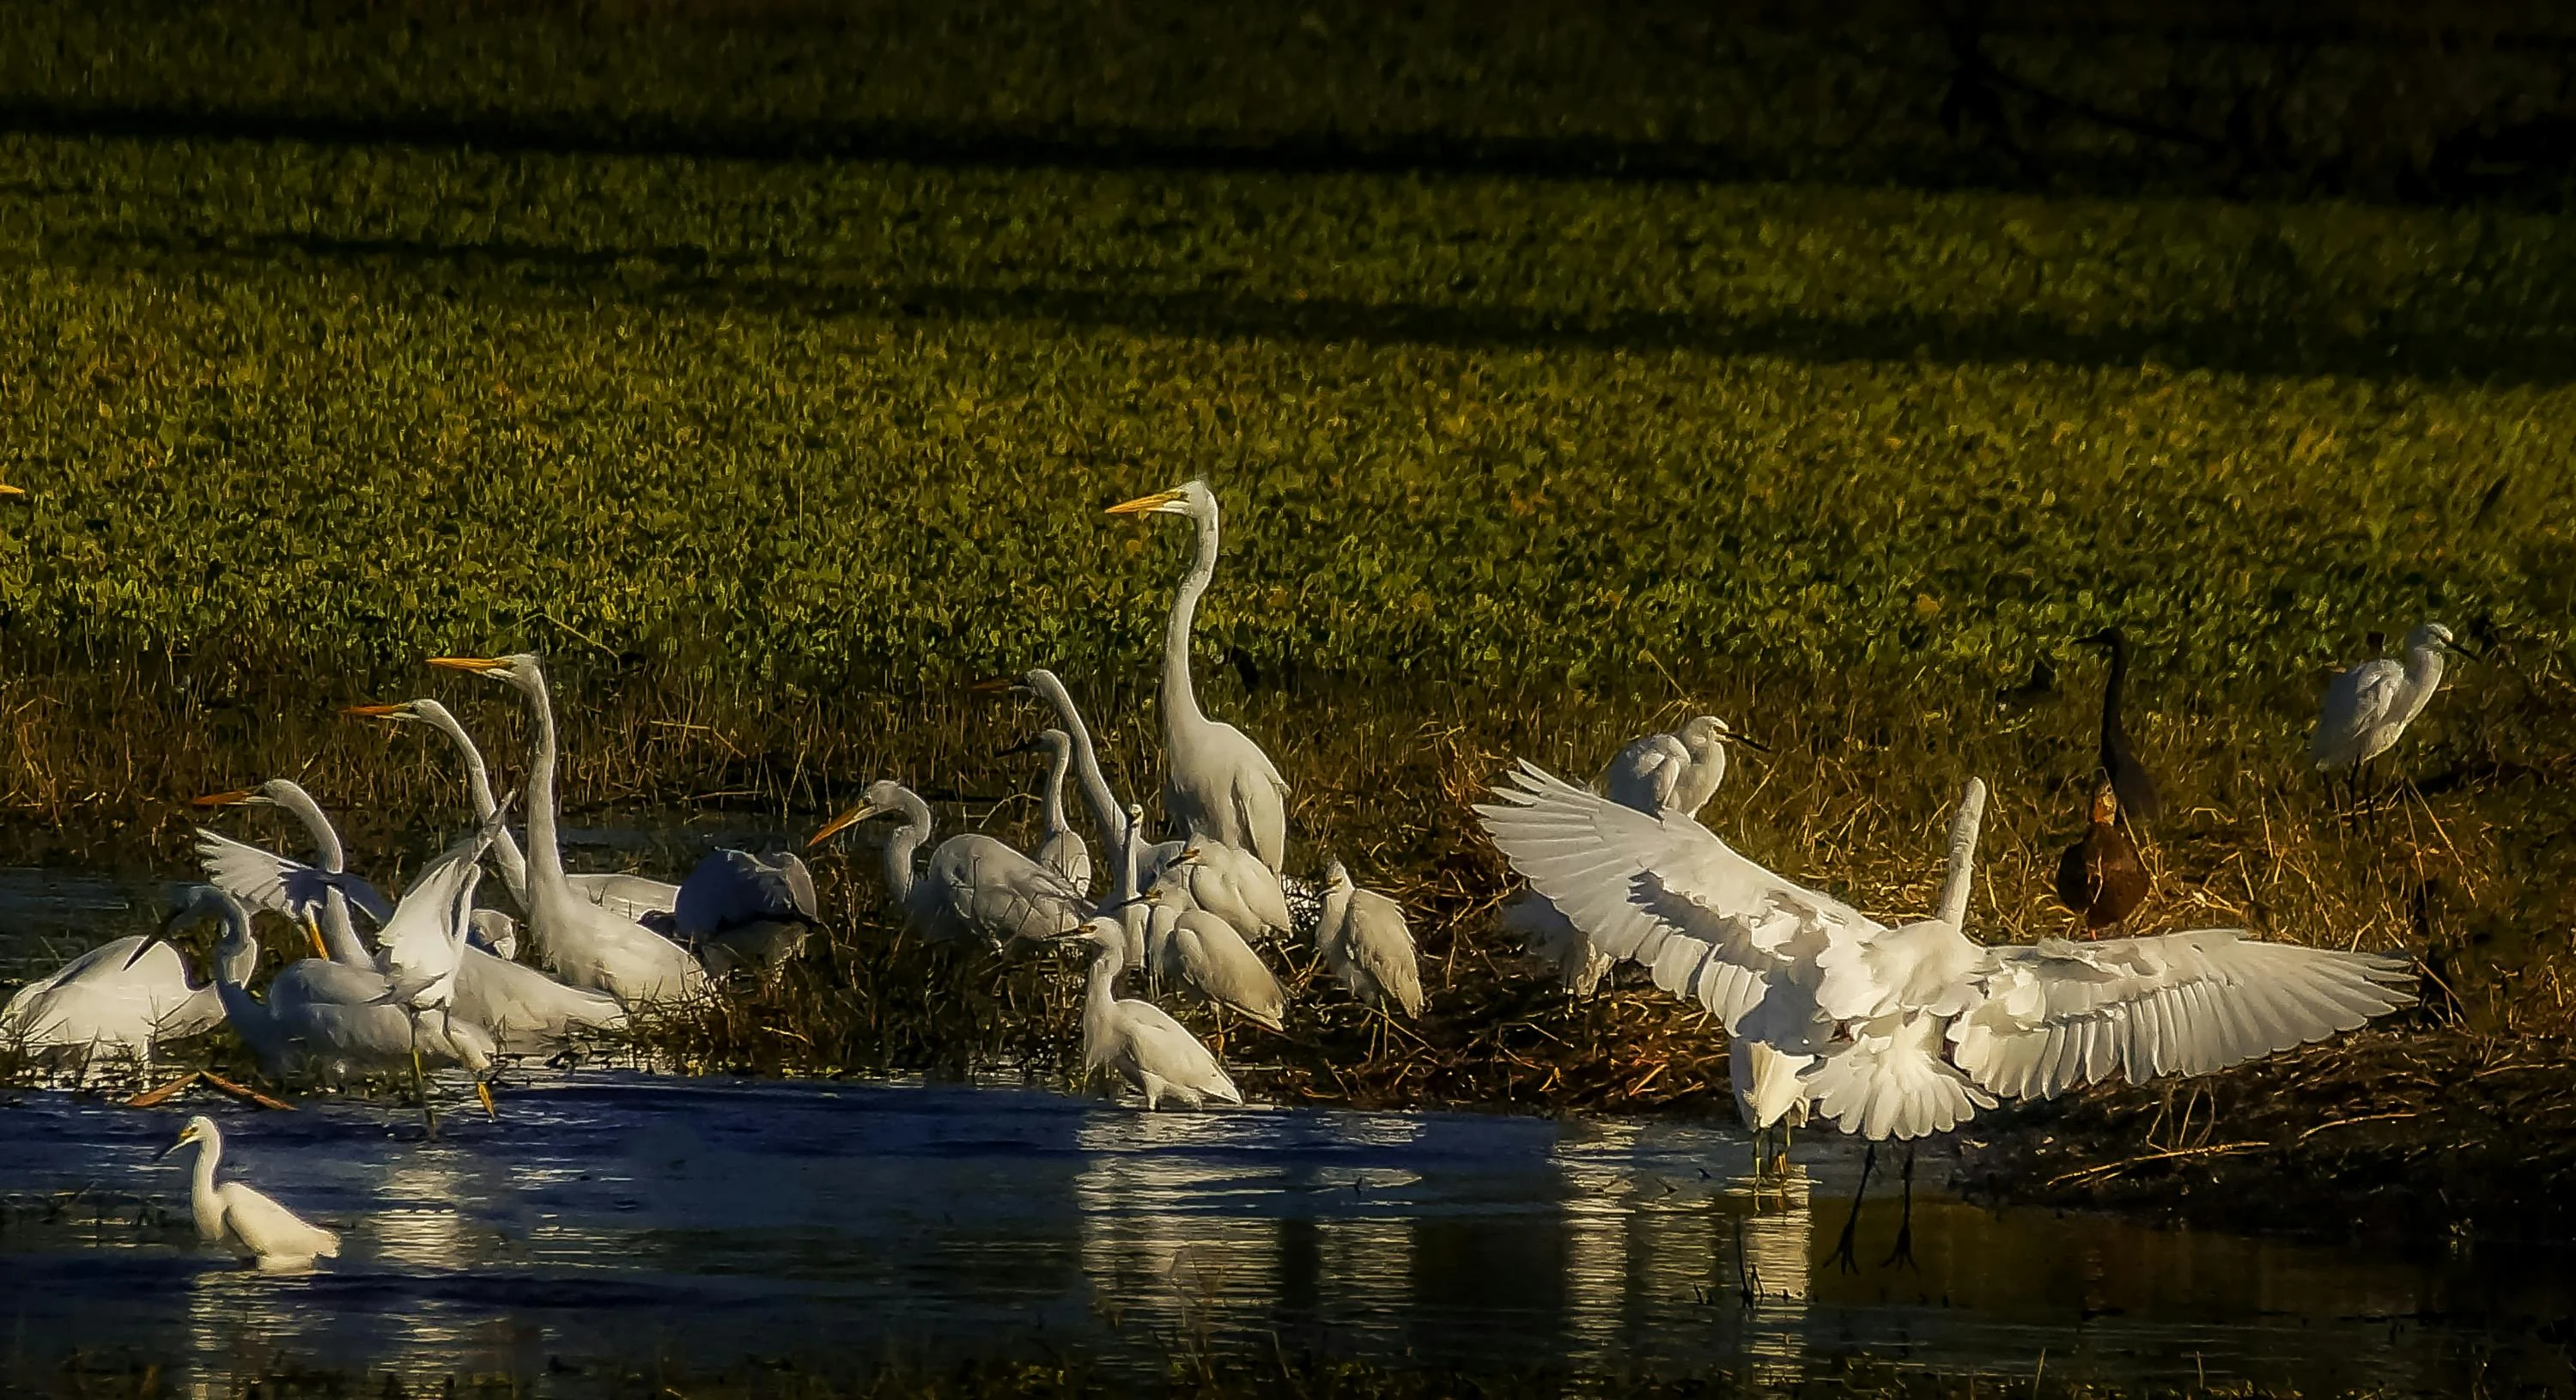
(478,788)
(2424,672)
(907,839)
(1963,854)
(1100,1000)
(1086,760)
(1180,699)
(545,851)
(201,1190)
(1059,759)
(339,933)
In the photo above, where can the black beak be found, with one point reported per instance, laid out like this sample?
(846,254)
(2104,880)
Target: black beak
(1752,743)
(164,1153)
(1023,746)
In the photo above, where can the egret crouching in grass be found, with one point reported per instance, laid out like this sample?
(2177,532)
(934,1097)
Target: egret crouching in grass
(234,1215)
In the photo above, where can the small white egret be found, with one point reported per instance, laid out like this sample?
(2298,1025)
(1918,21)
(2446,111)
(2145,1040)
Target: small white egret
(2366,709)
(975,887)
(1216,781)
(1146,1047)
(1062,850)
(118,999)
(587,944)
(1202,955)
(425,949)
(1232,884)
(737,909)
(243,1220)
(1365,942)
(627,896)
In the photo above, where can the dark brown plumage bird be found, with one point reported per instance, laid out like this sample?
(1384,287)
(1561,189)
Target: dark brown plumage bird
(2100,878)
(2138,800)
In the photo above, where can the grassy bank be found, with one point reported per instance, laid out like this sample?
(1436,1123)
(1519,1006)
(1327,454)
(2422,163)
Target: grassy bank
(774,452)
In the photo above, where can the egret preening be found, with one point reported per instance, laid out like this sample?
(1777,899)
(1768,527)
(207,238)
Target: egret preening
(1202,955)
(737,909)
(975,887)
(1062,850)
(627,896)
(2136,791)
(2367,708)
(118,999)
(1365,942)
(243,1220)
(1216,781)
(1136,1039)
(587,944)
(1917,1028)
(2100,878)
(1231,884)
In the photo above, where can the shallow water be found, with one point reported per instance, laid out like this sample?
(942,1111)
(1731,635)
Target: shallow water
(698,1224)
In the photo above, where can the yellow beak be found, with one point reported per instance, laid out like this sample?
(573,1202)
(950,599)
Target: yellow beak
(6,490)
(222,799)
(841,823)
(476,664)
(483,1091)
(313,931)
(1142,504)
(995,686)
(375,711)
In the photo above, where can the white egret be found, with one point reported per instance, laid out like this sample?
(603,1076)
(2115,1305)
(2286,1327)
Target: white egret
(627,896)
(2367,708)
(1677,771)
(587,944)
(1145,1046)
(1770,1098)
(1365,942)
(1231,884)
(425,948)
(118,998)
(1104,805)
(1216,781)
(317,896)
(975,886)
(324,1016)
(1203,955)
(234,1215)
(737,909)
(1062,850)
(1916,1028)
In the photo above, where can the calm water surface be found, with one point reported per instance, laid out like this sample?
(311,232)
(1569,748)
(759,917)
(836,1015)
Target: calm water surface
(700,1224)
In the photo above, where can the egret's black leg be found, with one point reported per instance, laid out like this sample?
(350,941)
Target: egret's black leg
(1842,1255)
(1904,1251)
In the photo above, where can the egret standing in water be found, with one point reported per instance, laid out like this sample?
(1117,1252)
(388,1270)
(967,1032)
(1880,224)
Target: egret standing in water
(119,998)
(586,944)
(1216,782)
(234,1215)
(1144,1046)
(425,949)
(2366,709)
(975,888)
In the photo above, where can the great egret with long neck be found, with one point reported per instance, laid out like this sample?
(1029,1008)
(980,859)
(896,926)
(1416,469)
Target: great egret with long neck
(1917,1028)
(266,880)
(1216,781)
(119,998)
(2367,708)
(627,896)
(975,887)
(1137,1040)
(240,1218)
(1062,849)
(587,945)
(1107,813)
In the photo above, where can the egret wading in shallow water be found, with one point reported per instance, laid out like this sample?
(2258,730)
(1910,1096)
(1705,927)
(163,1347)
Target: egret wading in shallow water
(1217,783)
(2100,878)
(2129,780)
(1062,850)
(586,944)
(1136,1039)
(627,896)
(119,999)
(2367,708)
(425,949)
(241,1219)
(976,888)
(1916,1028)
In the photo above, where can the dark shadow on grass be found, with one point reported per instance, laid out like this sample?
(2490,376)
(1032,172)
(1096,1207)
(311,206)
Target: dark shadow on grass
(691,277)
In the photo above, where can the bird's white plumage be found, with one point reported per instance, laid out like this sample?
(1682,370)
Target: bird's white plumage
(1202,955)
(2366,709)
(1153,1053)
(117,998)
(241,1218)
(1366,943)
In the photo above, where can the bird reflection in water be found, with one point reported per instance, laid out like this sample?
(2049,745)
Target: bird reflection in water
(1157,1242)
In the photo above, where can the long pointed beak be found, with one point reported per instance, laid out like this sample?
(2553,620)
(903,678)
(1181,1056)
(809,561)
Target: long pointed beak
(142,948)
(313,931)
(476,664)
(8,490)
(483,1091)
(1143,504)
(2456,649)
(1023,746)
(164,1153)
(234,798)
(994,686)
(377,711)
(841,823)
(1754,744)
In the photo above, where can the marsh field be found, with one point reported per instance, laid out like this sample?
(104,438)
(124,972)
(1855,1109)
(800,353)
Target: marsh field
(768,368)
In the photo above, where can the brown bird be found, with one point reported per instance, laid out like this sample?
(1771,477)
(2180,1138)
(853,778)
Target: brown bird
(2100,877)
